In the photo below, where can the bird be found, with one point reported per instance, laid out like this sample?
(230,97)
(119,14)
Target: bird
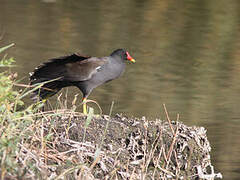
(84,72)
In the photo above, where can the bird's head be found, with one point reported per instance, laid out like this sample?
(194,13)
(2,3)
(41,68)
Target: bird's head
(123,54)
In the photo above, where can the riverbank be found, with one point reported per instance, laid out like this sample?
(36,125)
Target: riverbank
(69,145)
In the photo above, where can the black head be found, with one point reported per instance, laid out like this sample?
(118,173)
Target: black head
(123,54)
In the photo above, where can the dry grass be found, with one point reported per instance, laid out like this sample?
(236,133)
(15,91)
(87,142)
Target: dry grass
(62,146)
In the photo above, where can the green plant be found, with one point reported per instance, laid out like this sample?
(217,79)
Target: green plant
(13,127)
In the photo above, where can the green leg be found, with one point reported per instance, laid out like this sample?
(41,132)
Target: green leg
(84,106)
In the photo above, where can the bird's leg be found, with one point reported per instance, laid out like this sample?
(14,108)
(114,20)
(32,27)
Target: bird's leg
(84,106)
(43,101)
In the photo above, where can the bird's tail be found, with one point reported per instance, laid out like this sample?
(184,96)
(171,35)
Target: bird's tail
(49,77)
(45,88)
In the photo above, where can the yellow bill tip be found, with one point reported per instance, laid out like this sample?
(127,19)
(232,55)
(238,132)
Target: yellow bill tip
(132,60)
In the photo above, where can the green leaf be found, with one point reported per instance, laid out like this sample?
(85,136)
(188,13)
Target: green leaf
(6,47)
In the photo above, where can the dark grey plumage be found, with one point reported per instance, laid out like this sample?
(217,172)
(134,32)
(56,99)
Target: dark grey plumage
(85,72)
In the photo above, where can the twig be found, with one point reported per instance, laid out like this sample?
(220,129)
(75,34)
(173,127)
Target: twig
(178,167)
(131,177)
(171,147)
(159,156)
(169,121)
(32,86)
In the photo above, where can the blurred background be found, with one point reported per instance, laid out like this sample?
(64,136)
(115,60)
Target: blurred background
(187,56)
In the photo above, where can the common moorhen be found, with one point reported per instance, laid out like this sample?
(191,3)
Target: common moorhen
(76,70)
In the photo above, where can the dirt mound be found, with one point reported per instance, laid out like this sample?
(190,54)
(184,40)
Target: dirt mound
(69,145)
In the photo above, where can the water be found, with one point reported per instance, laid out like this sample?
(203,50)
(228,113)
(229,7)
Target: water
(187,55)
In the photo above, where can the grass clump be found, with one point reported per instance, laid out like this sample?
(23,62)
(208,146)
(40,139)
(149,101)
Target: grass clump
(9,129)
(14,123)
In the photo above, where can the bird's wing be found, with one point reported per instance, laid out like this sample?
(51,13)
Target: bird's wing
(55,68)
(71,68)
(84,70)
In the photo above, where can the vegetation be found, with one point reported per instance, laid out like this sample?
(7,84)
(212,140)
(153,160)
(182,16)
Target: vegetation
(64,144)
(14,124)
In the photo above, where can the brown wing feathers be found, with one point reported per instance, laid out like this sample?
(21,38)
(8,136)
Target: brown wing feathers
(52,69)
(87,68)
